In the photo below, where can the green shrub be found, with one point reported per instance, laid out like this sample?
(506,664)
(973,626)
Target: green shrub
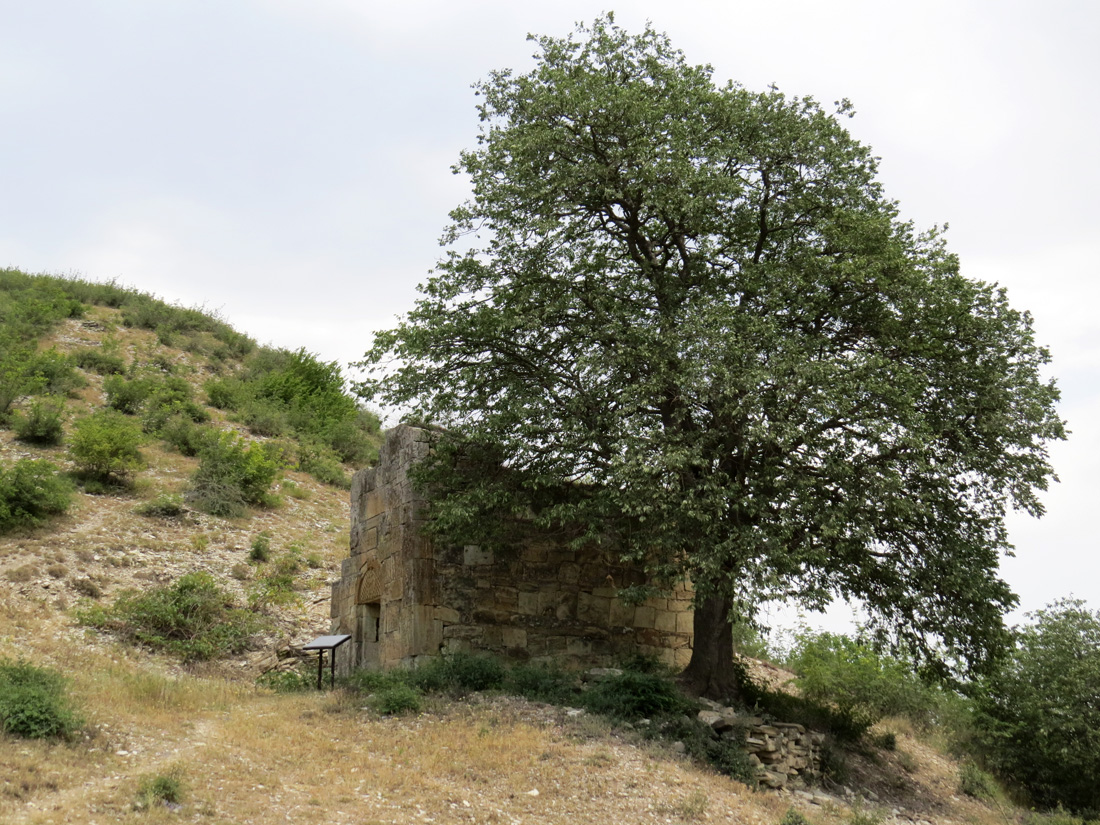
(1038,717)
(862,684)
(395,699)
(96,360)
(354,440)
(459,673)
(31,492)
(105,446)
(224,393)
(632,696)
(261,547)
(729,756)
(975,782)
(542,683)
(193,618)
(793,817)
(321,463)
(15,378)
(127,395)
(298,680)
(43,423)
(53,373)
(34,703)
(161,789)
(232,475)
(165,505)
(182,434)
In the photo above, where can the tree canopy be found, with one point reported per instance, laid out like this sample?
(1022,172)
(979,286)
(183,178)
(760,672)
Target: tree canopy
(692,306)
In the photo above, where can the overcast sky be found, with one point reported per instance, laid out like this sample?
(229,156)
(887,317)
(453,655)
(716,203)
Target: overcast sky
(287,162)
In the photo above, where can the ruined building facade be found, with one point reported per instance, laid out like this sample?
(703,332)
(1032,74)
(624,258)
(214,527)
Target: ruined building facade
(403,596)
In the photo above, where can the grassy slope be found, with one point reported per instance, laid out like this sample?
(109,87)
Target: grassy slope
(250,756)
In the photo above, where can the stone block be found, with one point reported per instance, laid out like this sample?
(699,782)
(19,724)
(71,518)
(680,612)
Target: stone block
(506,598)
(527,603)
(447,615)
(685,622)
(593,609)
(514,637)
(578,647)
(533,555)
(560,555)
(644,617)
(375,503)
(665,621)
(474,555)
(368,540)
(568,573)
(622,614)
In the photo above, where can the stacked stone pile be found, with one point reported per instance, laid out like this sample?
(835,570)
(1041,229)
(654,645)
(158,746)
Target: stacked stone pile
(782,752)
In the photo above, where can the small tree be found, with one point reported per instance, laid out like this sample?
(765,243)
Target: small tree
(1038,717)
(105,446)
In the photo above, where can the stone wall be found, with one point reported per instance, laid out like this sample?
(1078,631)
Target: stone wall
(781,752)
(402,596)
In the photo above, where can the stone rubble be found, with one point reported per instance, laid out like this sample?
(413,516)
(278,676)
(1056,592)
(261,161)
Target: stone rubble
(781,752)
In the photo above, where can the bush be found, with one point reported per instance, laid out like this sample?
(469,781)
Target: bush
(182,434)
(99,362)
(862,684)
(541,683)
(975,782)
(231,475)
(53,373)
(192,618)
(166,505)
(160,789)
(632,696)
(299,680)
(396,698)
(321,463)
(1038,718)
(127,395)
(31,491)
(261,548)
(104,446)
(34,703)
(224,393)
(459,673)
(42,423)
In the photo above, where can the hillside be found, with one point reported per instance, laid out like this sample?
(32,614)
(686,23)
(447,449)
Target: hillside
(248,755)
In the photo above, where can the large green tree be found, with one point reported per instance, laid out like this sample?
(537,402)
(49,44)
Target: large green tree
(687,319)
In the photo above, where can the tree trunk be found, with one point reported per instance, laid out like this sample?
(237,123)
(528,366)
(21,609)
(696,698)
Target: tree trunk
(711,671)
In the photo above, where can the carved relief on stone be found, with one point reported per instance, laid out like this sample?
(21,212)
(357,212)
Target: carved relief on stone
(369,589)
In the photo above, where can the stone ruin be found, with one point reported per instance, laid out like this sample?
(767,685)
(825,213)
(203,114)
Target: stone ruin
(403,597)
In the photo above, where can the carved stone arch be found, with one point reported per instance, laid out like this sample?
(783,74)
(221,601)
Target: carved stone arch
(369,589)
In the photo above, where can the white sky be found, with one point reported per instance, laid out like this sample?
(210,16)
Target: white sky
(287,162)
